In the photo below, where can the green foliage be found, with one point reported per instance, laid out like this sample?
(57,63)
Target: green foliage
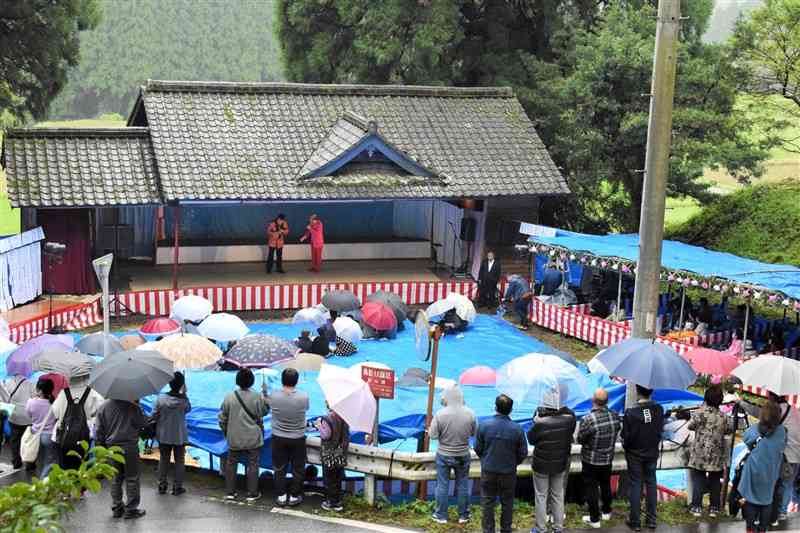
(579,68)
(604,128)
(768,41)
(761,222)
(39,42)
(40,506)
(175,40)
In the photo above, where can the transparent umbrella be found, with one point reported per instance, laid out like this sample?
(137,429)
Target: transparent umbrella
(542,379)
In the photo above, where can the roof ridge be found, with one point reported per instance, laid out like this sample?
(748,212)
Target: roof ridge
(77,132)
(356,120)
(334,89)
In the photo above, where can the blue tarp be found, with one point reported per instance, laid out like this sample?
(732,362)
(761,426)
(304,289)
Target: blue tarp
(490,341)
(681,256)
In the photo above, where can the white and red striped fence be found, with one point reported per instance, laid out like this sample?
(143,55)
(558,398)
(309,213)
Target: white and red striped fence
(158,302)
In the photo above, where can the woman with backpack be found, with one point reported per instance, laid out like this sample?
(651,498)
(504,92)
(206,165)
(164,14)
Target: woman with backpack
(335,435)
(762,468)
(169,417)
(42,424)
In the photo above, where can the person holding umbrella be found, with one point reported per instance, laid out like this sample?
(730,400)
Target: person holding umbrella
(118,424)
(17,390)
(241,421)
(123,378)
(334,432)
(171,432)
(277,231)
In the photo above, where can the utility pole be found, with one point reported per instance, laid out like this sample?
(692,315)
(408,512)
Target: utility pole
(659,133)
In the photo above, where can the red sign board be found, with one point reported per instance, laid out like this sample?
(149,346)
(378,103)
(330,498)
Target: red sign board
(380,381)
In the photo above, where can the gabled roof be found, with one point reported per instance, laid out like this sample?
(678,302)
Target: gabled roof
(351,137)
(49,167)
(253,141)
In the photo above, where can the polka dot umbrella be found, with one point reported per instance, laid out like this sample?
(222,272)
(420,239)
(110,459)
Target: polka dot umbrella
(260,351)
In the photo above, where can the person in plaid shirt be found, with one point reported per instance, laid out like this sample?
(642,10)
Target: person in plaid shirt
(598,434)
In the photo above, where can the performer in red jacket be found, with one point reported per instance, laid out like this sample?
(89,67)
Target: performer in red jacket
(314,232)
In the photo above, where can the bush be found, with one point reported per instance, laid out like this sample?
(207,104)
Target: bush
(761,222)
(40,506)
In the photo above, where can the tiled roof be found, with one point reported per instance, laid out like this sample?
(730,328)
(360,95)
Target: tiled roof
(216,141)
(48,167)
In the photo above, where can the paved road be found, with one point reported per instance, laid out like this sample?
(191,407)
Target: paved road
(202,510)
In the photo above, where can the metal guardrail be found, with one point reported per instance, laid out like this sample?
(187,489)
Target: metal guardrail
(421,466)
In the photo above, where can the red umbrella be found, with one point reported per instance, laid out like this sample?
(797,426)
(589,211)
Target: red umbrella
(160,326)
(379,316)
(713,362)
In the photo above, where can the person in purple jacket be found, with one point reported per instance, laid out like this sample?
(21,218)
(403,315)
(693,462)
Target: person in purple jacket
(42,422)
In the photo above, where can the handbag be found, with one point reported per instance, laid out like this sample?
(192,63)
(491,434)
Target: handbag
(259,421)
(29,445)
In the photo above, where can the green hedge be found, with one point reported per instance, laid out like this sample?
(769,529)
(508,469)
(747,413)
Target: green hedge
(761,222)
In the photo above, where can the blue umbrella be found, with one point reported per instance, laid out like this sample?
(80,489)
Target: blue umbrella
(647,363)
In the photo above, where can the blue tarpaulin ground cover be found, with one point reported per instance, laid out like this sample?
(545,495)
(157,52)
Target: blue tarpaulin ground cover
(490,341)
(680,256)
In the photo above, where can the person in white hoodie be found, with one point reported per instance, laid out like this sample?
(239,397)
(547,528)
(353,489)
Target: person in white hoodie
(17,390)
(77,386)
(452,427)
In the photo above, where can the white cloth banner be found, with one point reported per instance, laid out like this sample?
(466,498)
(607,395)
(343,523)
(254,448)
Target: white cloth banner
(20,268)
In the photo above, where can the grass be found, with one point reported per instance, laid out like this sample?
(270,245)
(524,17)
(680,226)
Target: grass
(417,514)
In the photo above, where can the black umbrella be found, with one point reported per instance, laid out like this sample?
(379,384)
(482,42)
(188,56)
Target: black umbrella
(395,302)
(131,375)
(340,301)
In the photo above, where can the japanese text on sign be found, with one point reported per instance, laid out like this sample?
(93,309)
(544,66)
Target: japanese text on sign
(380,381)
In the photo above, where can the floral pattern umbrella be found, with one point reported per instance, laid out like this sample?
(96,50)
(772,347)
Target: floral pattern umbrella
(260,351)
(186,351)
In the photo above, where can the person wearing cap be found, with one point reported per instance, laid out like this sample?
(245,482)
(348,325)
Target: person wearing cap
(551,438)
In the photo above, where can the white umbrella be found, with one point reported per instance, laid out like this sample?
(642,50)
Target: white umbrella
(775,373)
(223,327)
(542,379)
(312,315)
(349,396)
(464,307)
(6,345)
(348,329)
(439,307)
(356,368)
(595,366)
(191,307)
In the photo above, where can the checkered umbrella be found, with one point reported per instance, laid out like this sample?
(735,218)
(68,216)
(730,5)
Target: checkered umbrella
(259,351)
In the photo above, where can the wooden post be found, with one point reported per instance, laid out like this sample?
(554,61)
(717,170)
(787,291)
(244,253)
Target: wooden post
(369,479)
(176,245)
(436,334)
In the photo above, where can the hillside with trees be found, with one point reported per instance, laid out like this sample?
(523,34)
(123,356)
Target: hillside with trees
(176,40)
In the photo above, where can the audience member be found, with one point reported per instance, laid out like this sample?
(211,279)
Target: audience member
(172,434)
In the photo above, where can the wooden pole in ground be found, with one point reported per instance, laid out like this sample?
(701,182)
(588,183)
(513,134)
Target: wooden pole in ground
(176,245)
(369,479)
(436,334)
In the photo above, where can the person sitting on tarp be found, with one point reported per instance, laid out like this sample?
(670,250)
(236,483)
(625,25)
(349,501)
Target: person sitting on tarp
(327,330)
(320,345)
(304,341)
(452,323)
(372,333)
(552,279)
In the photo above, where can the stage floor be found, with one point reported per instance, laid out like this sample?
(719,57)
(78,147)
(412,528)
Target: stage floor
(40,307)
(142,277)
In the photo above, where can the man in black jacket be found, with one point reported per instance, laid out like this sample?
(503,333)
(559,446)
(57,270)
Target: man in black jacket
(641,437)
(488,278)
(551,437)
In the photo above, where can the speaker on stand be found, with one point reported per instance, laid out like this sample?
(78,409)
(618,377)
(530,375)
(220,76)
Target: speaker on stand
(117,239)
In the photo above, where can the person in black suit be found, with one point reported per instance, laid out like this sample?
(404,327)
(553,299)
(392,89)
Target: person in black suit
(488,278)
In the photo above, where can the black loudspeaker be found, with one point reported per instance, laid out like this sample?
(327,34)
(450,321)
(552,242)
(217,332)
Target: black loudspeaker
(468,229)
